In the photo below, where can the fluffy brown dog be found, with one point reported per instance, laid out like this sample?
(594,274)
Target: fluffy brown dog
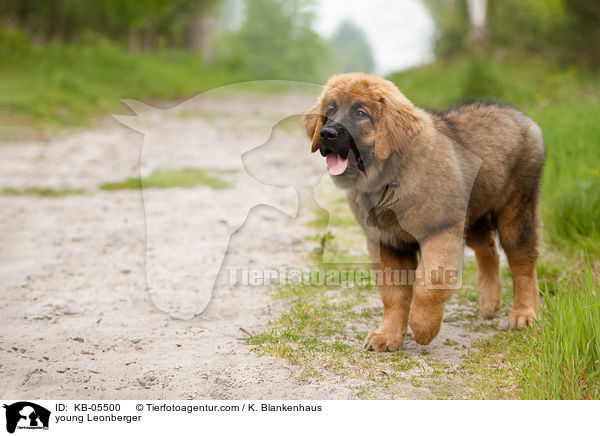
(421,184)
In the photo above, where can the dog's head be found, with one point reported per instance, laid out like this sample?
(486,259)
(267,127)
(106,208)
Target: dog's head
(358,121)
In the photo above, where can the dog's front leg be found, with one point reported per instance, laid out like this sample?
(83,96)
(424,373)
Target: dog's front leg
(394,271)
(438,274)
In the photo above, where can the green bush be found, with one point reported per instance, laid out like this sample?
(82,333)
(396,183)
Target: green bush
(481,81)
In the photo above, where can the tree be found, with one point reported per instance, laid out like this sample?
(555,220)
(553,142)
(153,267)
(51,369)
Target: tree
(352,48)
(452,26)
(276,41)
(566,30)
(584,29)
(477,18)
(141,24)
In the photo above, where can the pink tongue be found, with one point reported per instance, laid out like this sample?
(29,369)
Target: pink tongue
(335,164)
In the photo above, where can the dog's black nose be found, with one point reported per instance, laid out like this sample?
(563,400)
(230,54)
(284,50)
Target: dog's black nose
(335,138)
(330,132)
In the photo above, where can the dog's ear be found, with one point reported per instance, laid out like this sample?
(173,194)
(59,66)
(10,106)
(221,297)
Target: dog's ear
(313,122)
(398,124)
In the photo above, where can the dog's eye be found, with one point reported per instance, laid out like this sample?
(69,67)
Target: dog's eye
(361,113)
(330,112)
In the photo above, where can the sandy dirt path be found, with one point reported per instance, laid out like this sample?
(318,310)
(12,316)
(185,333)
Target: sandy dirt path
(77,319)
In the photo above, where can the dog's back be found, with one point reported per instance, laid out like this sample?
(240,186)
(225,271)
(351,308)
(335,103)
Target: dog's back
(509,144)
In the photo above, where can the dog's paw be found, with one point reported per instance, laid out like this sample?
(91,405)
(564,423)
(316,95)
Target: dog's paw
(383,341)
(521,318)
(490,299)
(489,309)
(426,322)
(424,334)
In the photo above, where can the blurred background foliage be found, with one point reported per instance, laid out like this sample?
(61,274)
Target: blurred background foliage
(68,50)
(64,61)
(568,31)
(276,41)
(140,25)
(352,48)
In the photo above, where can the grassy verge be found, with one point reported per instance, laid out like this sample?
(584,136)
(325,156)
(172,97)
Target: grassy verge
(179,178)
(563,358)
(559,358)
(53,86)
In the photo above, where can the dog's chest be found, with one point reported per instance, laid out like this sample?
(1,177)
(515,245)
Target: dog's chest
(379,215)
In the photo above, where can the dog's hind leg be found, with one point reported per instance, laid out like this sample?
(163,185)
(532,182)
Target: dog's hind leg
(480,237)
(517,227)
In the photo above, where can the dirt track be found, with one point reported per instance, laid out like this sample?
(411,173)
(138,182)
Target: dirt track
(77,319)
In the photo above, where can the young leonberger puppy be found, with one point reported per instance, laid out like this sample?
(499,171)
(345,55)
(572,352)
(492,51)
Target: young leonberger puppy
(421,184)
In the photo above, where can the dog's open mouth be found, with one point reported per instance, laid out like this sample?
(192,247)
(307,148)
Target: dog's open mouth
(337,165)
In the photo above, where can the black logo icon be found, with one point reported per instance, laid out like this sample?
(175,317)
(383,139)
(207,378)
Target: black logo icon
(24,414)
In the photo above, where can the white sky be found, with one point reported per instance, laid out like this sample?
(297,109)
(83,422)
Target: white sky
(400,32)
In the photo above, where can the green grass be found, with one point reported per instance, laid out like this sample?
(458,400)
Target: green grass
(571,189)
(180,178)
(40,192)
(322,331)
(563,361)
(53,86)
(494,367)
(558,358)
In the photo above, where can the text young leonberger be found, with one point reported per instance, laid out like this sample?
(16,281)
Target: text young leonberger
(421,183)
